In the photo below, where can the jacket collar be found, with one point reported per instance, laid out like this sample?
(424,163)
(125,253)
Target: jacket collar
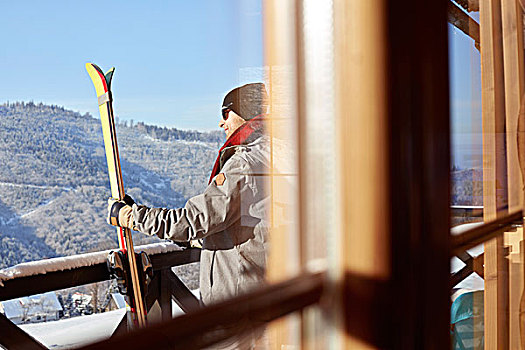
(245,134)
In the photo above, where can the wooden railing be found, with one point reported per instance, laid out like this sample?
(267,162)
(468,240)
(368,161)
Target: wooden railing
(478,235)
(164,287)
(483,233)
(215,323)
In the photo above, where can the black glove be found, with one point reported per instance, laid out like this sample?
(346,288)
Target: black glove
(128,200)
(120,214)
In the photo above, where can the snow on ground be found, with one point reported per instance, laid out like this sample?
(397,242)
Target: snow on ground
(31,212)
(473,281)
(75,332)
(209,145)
(34,186)
(459,229)
(66,189)
(199,143)
(78,331)
(176,310)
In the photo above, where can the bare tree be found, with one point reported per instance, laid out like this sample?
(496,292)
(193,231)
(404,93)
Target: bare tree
(99,293)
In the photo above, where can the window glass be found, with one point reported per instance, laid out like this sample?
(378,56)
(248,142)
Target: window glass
(175,64)
(466,177)
(466,127)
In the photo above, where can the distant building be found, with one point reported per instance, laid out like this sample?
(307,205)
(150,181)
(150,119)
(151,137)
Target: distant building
(35,308)
(81,302)
(115,301)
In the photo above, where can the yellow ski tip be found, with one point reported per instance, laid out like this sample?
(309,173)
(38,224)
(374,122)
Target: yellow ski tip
(98,78)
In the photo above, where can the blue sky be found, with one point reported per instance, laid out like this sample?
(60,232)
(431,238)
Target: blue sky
(174,60)
(465,100)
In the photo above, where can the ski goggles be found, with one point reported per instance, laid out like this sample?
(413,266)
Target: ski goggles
(225,111)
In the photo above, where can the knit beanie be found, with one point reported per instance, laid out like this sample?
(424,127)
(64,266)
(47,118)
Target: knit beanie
(248,101)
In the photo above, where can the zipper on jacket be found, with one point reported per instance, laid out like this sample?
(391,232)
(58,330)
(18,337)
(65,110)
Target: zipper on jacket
(211,268)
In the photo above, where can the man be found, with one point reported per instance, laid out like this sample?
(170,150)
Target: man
(230,216)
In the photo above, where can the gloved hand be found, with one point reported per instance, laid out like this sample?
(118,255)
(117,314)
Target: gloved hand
(120,213)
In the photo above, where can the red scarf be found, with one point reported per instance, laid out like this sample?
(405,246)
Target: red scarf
(239,137)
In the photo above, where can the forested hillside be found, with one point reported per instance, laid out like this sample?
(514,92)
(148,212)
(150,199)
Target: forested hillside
(467,187)
(54,183)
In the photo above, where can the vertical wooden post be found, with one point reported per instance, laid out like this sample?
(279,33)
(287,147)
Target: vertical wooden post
(513,57)
(495,198)
(165,295)
(522,300)
(420,172)
(284,253)
(12,337)
(392,106)
(362,124)
(512,30)
(279,48)
(515,260)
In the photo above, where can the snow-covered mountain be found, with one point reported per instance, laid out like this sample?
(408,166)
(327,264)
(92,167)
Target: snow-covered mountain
(54,183)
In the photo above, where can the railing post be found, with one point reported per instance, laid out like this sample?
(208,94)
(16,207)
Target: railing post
(12,337)
(122,327)
(165,295)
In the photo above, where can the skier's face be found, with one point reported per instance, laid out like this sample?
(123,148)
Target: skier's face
(230,122)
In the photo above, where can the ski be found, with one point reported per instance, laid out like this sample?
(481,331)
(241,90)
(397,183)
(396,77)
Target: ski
(102,83)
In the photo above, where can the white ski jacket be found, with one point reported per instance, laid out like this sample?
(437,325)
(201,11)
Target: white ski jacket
(231,218)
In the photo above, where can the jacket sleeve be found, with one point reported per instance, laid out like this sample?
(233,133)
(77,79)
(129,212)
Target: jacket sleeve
(210,212)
